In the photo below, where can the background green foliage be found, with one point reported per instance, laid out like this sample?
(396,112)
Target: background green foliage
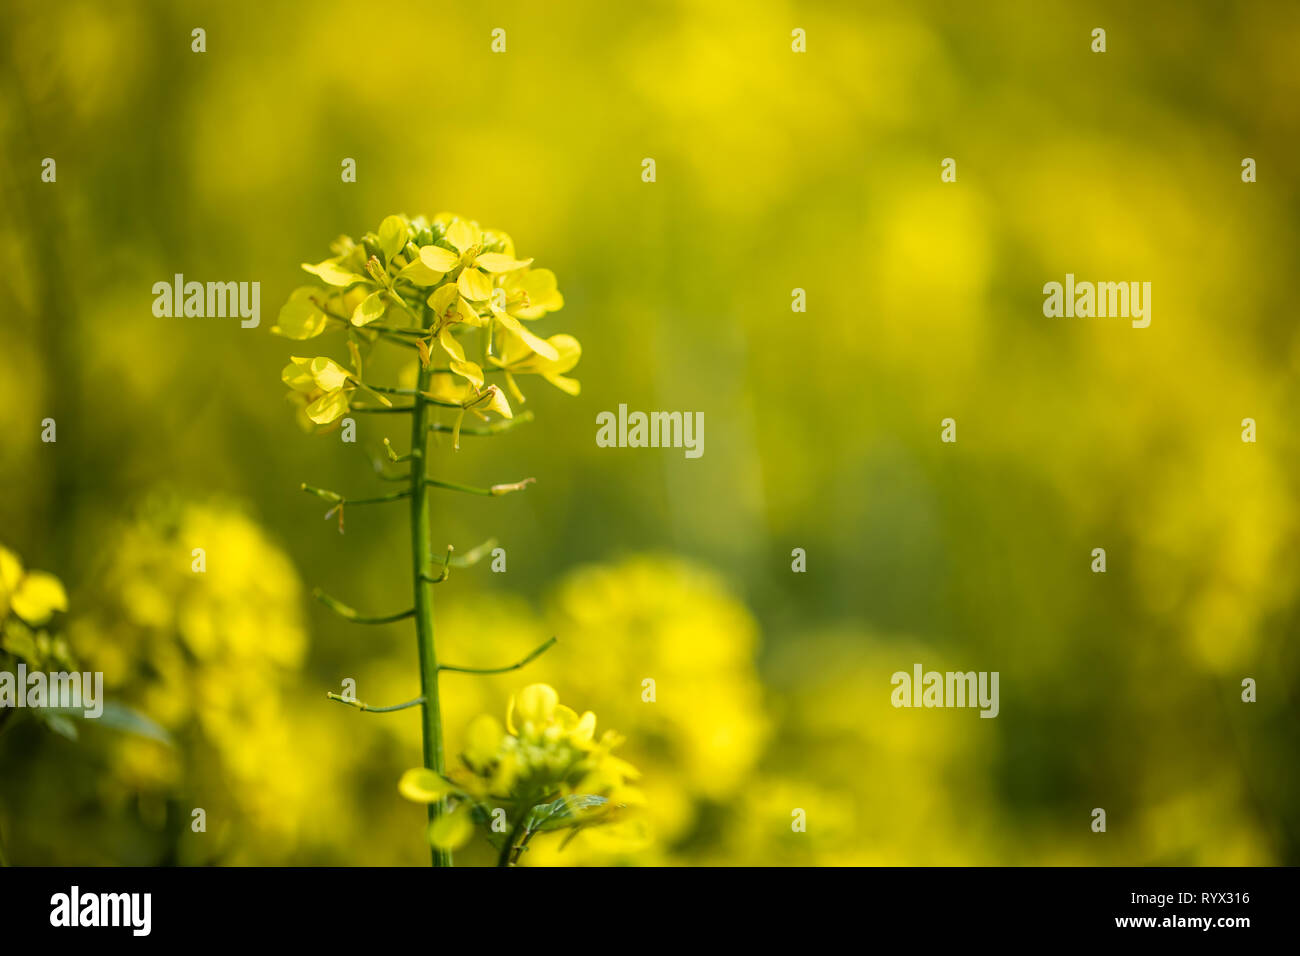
(775,171)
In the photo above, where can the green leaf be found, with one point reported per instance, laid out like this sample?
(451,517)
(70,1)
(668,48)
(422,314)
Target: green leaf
(570,811)
(61,725)
(118,717)
(123,718)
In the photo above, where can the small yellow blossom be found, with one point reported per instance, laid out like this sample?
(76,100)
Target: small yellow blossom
(328,386)
(33,596)
(475,265)
(519,359)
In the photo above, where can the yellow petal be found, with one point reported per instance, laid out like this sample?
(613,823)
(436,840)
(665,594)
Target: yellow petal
(329,374)
(441,298)
(495,402)
(570,386)
(496,262)
(537,703)
(370,309)
(297,374)
(543,296)
(392,236)
(585,730)
(418,272)
(328,407)
(446,388)
(439,259)
(452,831)
(11,571)
(300,317)
(483,739)
(422,785)
(450,345)
(568,352)
(538,345)
(464,235)
(465,312)
(38,596)
(566,717)
(332,273)
(470,371)
(474,285)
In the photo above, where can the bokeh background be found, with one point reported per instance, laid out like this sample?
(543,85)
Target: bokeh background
(775,170)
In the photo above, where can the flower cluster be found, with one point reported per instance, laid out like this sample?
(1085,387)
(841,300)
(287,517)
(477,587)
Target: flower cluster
(28,603)
(546,770)
(28,600)
(434,286)
(33,596)
(213,659)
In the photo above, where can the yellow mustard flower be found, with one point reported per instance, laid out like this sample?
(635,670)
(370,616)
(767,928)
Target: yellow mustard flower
(215,659)
(527,294)
(518,359)
(452,311)
(475,265)
(33,596)
(328,386)
(530,293)
(473,281)
(545,769)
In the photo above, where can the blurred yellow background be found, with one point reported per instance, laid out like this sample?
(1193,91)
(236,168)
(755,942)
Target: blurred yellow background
(775,170)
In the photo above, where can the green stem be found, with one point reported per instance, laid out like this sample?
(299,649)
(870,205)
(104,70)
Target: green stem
(494,492)
(395,330)
(375,710)
(350,614)
(336,498)
(508,850)
(422,575)
(523,845)
(532,656)
(496,428)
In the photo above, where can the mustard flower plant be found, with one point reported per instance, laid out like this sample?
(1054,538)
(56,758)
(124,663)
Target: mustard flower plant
(31,636)
(544,771)
(460,298)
